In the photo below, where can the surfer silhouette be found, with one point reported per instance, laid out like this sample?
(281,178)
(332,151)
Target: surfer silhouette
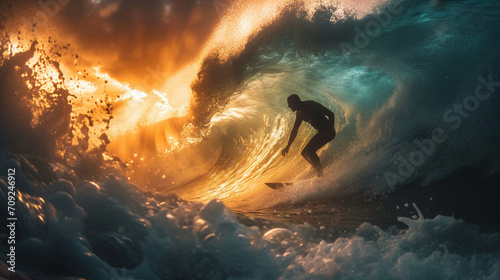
(319,117)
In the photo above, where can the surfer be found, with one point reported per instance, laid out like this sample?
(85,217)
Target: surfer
(319,117)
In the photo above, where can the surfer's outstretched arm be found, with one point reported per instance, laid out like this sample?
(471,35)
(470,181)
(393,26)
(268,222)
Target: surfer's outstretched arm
(293,134)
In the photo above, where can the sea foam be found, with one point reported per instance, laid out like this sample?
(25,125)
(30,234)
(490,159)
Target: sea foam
(111,229)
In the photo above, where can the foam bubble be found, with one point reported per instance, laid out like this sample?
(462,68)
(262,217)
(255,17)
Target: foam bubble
(101,231)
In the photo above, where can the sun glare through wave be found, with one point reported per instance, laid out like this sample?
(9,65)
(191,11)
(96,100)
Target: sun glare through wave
(150,117)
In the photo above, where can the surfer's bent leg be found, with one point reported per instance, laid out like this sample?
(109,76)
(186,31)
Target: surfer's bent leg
(316,142)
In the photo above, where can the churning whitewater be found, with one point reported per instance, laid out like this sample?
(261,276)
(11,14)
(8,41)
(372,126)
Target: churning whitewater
(136,139)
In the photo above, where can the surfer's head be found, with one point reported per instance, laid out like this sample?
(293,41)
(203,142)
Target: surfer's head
(293,102)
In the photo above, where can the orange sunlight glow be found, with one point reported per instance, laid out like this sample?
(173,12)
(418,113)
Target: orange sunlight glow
(152,123)
(46,77)
(141,119)
(162,134)
(246,18)
(138,110)
(249,17)
(14,47)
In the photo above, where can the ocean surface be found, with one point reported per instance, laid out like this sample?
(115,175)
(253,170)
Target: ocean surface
(135,140)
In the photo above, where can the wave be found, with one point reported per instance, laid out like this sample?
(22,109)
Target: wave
(111,229)
(396,80)
(114,182)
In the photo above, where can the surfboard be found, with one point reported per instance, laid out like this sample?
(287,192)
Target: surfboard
(277,186)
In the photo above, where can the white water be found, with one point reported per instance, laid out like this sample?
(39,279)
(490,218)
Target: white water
(71,230)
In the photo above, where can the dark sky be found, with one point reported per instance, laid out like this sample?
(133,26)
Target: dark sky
(135,41)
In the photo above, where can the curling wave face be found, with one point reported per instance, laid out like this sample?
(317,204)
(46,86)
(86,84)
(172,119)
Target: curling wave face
(403,82)
(413,84)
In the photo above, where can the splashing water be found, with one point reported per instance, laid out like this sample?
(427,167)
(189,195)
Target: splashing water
(141,145)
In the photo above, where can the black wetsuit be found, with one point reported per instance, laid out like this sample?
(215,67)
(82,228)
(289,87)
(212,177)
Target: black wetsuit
(316,115)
